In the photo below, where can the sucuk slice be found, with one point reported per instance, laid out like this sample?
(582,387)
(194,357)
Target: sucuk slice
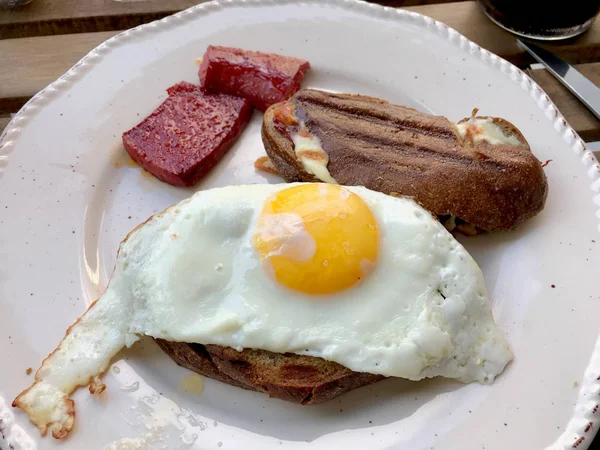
(187,134)
(262,78)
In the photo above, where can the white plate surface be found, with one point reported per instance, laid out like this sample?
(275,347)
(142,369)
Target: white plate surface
(68,196)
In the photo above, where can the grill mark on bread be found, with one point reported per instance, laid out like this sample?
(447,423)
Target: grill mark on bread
(373,132)
(343,106)
(412,153)
(300,372)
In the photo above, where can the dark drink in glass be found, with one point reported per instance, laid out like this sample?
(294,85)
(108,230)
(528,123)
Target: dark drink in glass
(542,19)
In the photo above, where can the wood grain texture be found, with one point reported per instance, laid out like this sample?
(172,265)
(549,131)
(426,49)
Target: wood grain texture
(3,122)
(468,19)
(29,64)
(32,63)
(51,17)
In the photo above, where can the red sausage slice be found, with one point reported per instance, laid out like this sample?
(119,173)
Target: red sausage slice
(262,78)
(187,134)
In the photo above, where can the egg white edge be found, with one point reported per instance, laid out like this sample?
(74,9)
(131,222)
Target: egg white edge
(50,407)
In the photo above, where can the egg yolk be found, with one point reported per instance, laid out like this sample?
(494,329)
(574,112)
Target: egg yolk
(317,238)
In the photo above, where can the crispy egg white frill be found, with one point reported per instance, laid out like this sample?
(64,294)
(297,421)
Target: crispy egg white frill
(370,281)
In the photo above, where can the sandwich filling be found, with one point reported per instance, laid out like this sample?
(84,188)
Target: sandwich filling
(311,155)
(307,146)
(479,129)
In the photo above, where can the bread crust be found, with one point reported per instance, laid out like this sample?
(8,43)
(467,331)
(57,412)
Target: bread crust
(305,380)
(402,151)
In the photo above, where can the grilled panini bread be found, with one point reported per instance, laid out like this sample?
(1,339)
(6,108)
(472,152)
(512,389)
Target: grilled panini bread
(479,174)
(300,379)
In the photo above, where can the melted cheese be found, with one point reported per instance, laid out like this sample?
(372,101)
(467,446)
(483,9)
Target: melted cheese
(312,156)
(485,130)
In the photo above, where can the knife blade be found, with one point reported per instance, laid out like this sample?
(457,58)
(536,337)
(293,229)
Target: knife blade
(586,91)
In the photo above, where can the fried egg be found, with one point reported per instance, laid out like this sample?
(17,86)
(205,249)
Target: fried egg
(370,281)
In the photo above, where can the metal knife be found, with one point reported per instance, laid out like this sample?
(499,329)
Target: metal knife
(571,78)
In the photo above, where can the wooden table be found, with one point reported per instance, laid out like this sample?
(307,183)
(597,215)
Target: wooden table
(41,41)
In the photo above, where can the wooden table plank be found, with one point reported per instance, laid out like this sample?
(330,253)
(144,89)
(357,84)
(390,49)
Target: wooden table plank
(3,122)
(468,19)
(32,63)
(29,64)
(51,17)
(465,16)
(47,17)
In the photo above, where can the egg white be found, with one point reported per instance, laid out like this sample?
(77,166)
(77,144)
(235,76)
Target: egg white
(191,274)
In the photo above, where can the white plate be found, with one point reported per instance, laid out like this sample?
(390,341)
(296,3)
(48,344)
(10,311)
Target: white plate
(64,207)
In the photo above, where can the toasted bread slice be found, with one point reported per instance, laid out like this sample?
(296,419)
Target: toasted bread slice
(300,379)
(445,167)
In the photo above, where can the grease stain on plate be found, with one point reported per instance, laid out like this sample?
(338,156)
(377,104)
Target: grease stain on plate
(192,384)
(119,156)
